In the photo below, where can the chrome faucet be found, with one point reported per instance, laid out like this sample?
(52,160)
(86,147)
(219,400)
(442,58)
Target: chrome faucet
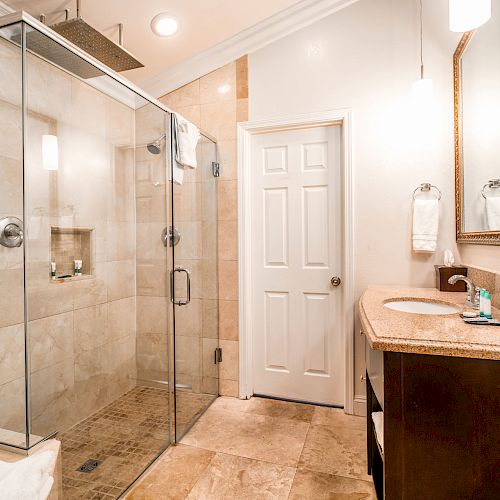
(472,290)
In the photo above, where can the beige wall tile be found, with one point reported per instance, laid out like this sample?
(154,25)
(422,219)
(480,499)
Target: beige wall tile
(12,395)
(228,319)
(228,240)
(152,278)
(219,119)
(90,291)
(242,110)
(11,353)
(188,358)
(227,200)
(229,368)
(228,280)
(122,318)
(91,327)
(191,113)
(152,354)
(53,398)
(188,95)
(151,315)
(210,323)
(121,279)
(51,299)
(188,319)
(219,85)
(227,152)
(210,369)
(228,388)
(11,186)
(51,340)
(242,77)
(11,297)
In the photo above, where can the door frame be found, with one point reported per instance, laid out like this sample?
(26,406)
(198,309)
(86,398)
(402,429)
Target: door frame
(246,130)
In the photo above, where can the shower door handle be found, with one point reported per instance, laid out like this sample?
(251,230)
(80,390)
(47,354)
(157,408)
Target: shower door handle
(180,302)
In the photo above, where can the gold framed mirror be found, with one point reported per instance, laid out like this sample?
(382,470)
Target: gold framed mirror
(476,75)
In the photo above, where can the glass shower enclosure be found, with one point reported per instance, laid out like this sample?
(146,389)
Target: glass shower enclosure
(108,268)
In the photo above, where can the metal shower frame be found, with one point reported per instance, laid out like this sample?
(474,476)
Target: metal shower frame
(25,20)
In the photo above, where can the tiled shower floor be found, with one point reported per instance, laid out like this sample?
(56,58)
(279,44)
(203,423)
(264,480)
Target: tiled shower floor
(125,436)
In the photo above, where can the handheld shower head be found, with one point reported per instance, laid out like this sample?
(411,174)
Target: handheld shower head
(155,147)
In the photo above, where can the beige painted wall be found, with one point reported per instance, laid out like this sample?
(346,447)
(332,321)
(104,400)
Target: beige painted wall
(216,102)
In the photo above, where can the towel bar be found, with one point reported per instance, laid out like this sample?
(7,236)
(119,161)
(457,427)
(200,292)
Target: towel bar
(425,187)
(493,184)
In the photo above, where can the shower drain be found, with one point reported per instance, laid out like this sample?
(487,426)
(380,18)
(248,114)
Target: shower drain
(89,465)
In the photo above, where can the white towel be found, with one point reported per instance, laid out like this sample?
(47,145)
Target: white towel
(425,225)
(29,478)
(378,423)
(493,212)
(187,136)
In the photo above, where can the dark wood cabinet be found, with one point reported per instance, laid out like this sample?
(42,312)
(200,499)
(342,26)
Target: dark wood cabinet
(441,428)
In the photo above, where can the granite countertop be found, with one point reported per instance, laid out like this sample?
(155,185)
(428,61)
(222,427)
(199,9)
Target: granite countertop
(441,335)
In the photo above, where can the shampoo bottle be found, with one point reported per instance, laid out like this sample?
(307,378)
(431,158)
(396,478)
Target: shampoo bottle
(487,305)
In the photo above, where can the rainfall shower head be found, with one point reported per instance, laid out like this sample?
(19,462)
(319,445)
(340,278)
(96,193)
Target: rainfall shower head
(96,44)
(155,147)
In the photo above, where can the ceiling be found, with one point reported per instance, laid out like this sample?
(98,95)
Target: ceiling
(203,24)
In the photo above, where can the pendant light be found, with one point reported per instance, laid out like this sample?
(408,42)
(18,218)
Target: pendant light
(466,15)
(422,88)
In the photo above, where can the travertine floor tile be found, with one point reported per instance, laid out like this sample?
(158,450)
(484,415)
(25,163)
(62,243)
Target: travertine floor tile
(173,476)
(229,477)
(309,485)
(337,417)
(270,439)
(281,409)
(336,450)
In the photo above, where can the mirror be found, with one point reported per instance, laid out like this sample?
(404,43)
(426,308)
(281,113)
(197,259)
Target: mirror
(476,66)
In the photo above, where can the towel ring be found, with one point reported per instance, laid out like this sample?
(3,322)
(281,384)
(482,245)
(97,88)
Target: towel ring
(493,184)
(425,187)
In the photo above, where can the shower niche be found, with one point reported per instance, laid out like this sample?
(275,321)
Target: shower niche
(69,245)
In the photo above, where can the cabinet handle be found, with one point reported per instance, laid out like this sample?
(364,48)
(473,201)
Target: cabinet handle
(362,378)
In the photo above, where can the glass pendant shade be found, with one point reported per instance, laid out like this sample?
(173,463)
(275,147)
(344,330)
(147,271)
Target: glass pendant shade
(466,15)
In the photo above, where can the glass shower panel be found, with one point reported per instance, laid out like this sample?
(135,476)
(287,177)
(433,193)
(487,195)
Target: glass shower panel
(195,279)
(96,305)
(13,429)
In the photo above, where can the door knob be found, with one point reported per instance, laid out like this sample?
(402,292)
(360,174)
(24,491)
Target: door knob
(335,281)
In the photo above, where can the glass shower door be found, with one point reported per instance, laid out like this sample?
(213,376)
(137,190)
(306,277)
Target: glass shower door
(194,286)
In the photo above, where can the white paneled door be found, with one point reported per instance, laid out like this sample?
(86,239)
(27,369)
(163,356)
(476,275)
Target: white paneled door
(296,251)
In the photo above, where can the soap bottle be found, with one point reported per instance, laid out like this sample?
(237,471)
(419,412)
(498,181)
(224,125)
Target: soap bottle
(53,270)
(487,305)
(481,302)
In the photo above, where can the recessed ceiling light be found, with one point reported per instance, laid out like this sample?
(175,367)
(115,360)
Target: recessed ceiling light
(164,24)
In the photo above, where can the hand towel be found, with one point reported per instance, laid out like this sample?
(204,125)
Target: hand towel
(425,225)
(187,136)
(493,212)
(29,478)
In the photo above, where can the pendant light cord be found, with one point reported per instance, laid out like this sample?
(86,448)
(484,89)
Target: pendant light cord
(421,43)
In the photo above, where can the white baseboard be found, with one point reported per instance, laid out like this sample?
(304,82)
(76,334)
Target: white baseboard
(360,406)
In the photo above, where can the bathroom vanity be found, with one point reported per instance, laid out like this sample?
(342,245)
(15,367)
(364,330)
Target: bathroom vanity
(437,382)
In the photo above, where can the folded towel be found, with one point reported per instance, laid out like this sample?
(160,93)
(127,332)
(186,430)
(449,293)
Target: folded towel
(187,136)
(378,423)
(425,225)
(29,478)
(493,212)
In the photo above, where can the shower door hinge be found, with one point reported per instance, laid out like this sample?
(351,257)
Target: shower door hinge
(216,168)
(217,355)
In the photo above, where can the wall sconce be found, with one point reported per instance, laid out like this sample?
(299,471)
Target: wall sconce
(466,15)
(50,152)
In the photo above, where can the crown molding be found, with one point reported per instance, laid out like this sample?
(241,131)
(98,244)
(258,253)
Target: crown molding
(300,15)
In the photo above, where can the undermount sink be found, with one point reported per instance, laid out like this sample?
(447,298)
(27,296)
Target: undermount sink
(420,307)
